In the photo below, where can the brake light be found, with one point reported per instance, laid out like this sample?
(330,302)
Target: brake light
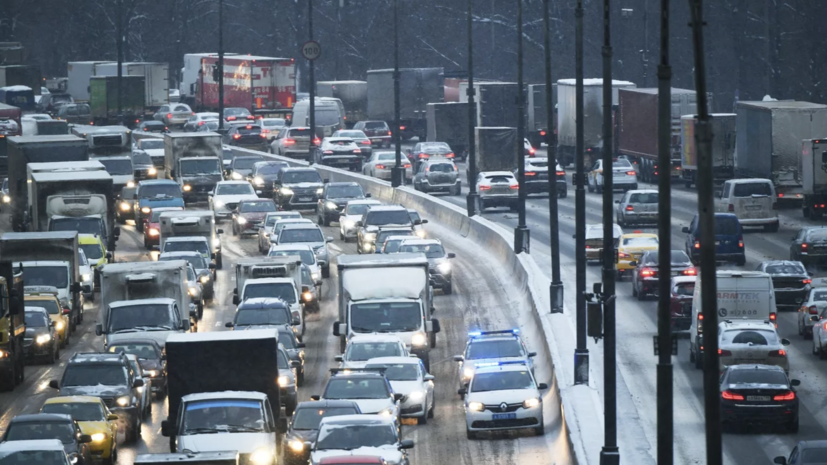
(265,131)
(366,142)
(772,316)
(530,173)
(289,142)
(807,281)
(740,243)
(630,208)
(690,272)
(729,395)
(401,128)
(542,133)
(200,123)
(803,246)
(169,115)
(406,165)
(145,129)
(249,127)
(531,151)
(782,397)
(423,155)
(328,152)
(357,150)
(780,195)
(731,208)
(514,186)
(778,353)
(647,272)
(236,136)
(390,133)
(263,135)
(825,326)
(231,118)
(450,155)
(485,188)
(380,167)
(317,141)
(631,173)
(137,121)
(561,173)
(813,310)
(724,353)
(251,117)
(622,255)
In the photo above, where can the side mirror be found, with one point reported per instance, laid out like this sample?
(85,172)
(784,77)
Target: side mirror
(633,263)
(235,300)
(339,358)
(397,396)
(168,429)
(435,323)
(542,386)
(111,417)
(451,255)
(423,222)
(429,377)
(780,460)
(685,229)
(109,256)
(368,195)
(219,231)
(329,239)
(459,358)
(54,384)
(85,439)
(406,444)
(229,324)
(532,354)
(301,345)
(296,364)
(117,231)
(212,266)
(785,342)
(295,322)
(98,329)
(462,391)
(339,329)
(185,325)
(316,397)
(795,382)
(138,383)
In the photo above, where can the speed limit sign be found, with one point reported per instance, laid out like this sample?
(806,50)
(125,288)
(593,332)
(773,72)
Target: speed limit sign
(311,50)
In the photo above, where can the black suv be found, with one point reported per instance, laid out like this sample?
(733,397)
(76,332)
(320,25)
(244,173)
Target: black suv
(52,426)
(110,377)
(297,188)
(249,136)
(304,426)
(334,198)
(263,175)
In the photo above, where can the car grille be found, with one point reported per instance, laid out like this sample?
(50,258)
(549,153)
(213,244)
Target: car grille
(107,141)
(231,206)
(27,342)
(513,423)
(411,410)
(202,189)
(303,194)
(496,408)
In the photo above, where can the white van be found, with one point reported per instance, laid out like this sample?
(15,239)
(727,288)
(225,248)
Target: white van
(742,295)
(751,200)
(330,114)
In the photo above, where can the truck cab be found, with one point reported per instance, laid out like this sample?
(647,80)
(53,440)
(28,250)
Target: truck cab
(278,288)
(155,319)
(54,273)
(193,223)
(155,193)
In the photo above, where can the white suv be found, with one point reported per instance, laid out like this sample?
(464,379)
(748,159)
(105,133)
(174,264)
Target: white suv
(747,342)
(751,200)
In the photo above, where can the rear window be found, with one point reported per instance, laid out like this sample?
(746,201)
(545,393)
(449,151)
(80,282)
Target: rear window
(756,337)
(786,268)
(748,189)
(299,132)
(818,235)
(727,226)
(649,197)
(756,377)
(182,108)
(640,241)
(249,130)
(376,125)
(684,289)
(621,163)
(499,179)
(441,168)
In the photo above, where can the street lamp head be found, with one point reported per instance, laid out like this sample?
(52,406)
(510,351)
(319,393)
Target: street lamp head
(626,12)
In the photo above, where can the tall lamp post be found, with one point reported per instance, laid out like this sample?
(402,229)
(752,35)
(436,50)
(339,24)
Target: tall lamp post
(312,86)
(581,352)
(556,288)
(472,199)
(120,59)
(398,172)
(221,66)
(521,232)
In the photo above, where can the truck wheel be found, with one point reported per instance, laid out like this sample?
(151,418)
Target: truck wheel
(426,360)
(326,272)
(219,262)
(448,289)
(687,184)
(7,383)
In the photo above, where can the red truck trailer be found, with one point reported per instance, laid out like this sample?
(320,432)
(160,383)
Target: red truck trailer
(269,87)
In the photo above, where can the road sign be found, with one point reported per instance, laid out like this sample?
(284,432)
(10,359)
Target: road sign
(311,50)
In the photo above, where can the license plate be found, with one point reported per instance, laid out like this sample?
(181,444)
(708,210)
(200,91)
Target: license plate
(504,416)
(717,242)
(758,398)
(305,199)
(753,207)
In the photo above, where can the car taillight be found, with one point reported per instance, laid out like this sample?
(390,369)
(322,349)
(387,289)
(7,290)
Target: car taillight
(690,272)
(357,150)
(631,173)
(265,131)
(731,208)
(729,395)
(724,353)
(231,118)
(773,316)
(530,173)
(169,115)
(289,142)
(803,246)
(366,142)
(806,281)
(200,123)
(236,136)
(697,245)
(813,310)
(145,129)
(485,188)
(561,173)
(251,117)
(137,121)
(390,133)
(328,152)
(701,324)
(531,151)
(317,141)
(514,186)
(423,155)
(646,272)
(790,395)
(542,133)
(778,353)
(630,208)
(622,255)
(263,135)
(380,167)
(401,128)
(741,243)
(406,165)
(780,195)
(450,155)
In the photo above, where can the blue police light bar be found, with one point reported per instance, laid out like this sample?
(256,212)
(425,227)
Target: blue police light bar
(501,331)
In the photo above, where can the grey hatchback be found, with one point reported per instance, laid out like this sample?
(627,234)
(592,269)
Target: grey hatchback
(437,174)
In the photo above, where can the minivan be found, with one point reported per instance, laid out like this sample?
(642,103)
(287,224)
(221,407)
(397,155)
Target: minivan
(751,200)
(330,115)
(729,239)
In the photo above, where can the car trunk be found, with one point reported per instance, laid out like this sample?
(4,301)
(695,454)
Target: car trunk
(753,207)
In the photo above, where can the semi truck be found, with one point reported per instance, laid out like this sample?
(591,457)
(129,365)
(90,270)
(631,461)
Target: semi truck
(37,149)
(193,223)
(352,94)
(496,103)
(103,100)
(592,118)
(388,294)
(814,177)
(189,75)
(768,142)
(156,80)
(12,326)
(636,128)
(537,127)
(79,73)
(723,148)
(417,88)
(11,113)
(195,162)
(18,96)
(448,122)
(496,150)
(21,75)
(259,84)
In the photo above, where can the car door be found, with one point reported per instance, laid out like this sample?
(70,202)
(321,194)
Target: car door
(722,200)
(795,247)
(621,206)
(159,115)
(595,172)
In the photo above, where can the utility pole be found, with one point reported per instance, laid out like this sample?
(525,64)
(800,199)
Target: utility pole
(664,371)
(312,87)
(581,352)
(521,232)
(610,454)
(556,287)
(221,66)
(398,172)
(120,59)
(471,200)
(706,215)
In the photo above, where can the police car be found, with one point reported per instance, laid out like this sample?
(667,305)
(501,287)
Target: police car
(485,347)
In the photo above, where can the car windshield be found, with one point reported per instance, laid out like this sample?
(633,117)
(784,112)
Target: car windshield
(684,289)
(89,225)
(295,177)
(482,349)
(245,163)
(282,223)
(36,319)
(82,258)
(249,130)
(57,276)
(385,317)
(398,371)
(345,192)
(282,362)
(299,132)
(234,189)
(756,377)
(307,256)
(309,418)
(150,144)
(223,415)
(141,158)
(677,257)
(93,374)
(813,456)
(327,116)
(376,125)
(496,179)
(382,236)
(435,147)
(501,381)
(264,316)
(786,268)
(726,226)
(640,241)
(141,350)
(641,197)
(441,168)
(287,236)
(257,206)
(187,246)
(430,250)
(356,388)
(749,189)
(117,166)
(383,217)
(140,317)
(363,351)
(93,252)
(150,191)
(386,156)
(49,304)
(196,260)
(271,168)
(283,291)
(357,209)
(817,235)
(33,457)
(351,134)
(339,142)
(22,431)
(200,167)
(80,411)
(753,337)
(286,338)
(236,112)
(536,163)
(621,163)
(355,436)
(392,245)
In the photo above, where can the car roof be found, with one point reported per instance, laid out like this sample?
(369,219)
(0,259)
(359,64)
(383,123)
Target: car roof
(223,183)
(364,202)
(351,459)
(683,279)
(261,303)
(314,404)
(732,324)
(151,342)
(299,168)
(358,419)
(32,445)
(412,240)
(36,417)
(187,253)
(365,338)
(302,225)
(186,239)
(330,184)
(89,239)
(132,303)
(397,360)
(756,366)
(290,247)
(96,357)
(35,309)
(643,191)
(628,235)
(74,400)
(252,395)
(502,366)
(151,182)
(383,208)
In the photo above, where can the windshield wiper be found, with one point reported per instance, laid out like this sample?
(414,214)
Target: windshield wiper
(126,330)
(152,328)
(202,431)
(242,428)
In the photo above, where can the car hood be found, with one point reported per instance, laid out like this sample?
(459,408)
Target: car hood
(99,390)
(406,387)
(158,336)
(368,406)
(33,332)
(303,435)
(343,201)
(234,198)
(255,216)
(161,202)
(199,179)
(155,152)
(243,172)
(244,443)
(498,397)
(389,453)
(92,427)
(303,185)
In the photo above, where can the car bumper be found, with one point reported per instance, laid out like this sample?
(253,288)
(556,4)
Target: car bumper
(332,215)
(780,362)
(428,187)
(294,202)
(640,218)
(126,416)
(34,350)
(649,286)
(535,187)
(757,221)
(680,323)
(790,297)
(158,384)
(725,257)
(499,201)
(623,265)
(249,227)
(521,418)
(732,412)
(440,280)
(412,409)
(381,140)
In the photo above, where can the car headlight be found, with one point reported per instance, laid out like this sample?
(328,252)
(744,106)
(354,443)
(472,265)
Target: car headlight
(151,373)
(261,457)
(193,291)
(319,191)
(315,276)
(367,246)
(6,199)
(475,406)
(86,277)
(320,251)
(130,184)
(416,396)
(284,381)
(99,437)
(286,191)
(218,204)
(241,220)
(444,267)
(73,458)
(146,210)
(59,326)
(124,207)
(236,176)
(331,205)
(295,445)
(348,223)
(43,338)
(531,403)
(123,401)
(386,413)
(307,296)
(216,243)
(420,233)
(258,181)
(187,188)
(467,373)
(152,232)
(419,339)
(204,279)
(370,237)
(152,171)
(3,353)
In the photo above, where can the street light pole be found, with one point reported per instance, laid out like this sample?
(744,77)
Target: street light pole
(312,86)
(521,232)
(120,60)
(221,66)
(471,200)
(581,352)
(706,215)
(398,172)
(556,288)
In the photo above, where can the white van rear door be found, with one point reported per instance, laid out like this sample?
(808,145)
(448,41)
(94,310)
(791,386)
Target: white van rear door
(744,298)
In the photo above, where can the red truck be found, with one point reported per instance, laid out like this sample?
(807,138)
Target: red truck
(270,87)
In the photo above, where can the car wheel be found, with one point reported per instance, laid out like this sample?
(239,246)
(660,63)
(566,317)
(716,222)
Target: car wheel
(815,351)
(599,189)
(822,354)
(699,361)
(800,328)
(431,409)
(792,427)
(470,434)
(300,378)
(634,290)
(742,261)
(235,231)
(326,272)
(448,289)
(423,420)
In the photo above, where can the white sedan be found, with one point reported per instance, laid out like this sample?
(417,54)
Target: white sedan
(352,213)
(380,163)
(814,305)
(226,196)
(408,377)
(363,347)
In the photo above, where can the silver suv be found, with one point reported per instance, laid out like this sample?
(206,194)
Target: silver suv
(437,174)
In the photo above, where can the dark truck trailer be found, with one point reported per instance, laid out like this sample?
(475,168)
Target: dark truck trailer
(21,75)
(18,96)
(8,112)
(52,127)
(12,326)
(417,88)
(12,53)
(103,100)
(496,150)
(448,122)
(23,150)
(354,97)
(723,148)
(537,127)
(221,361)
(496,103)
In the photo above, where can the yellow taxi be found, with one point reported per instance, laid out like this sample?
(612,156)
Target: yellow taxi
(95,251)
(46,297)
(94,419)
(630,247)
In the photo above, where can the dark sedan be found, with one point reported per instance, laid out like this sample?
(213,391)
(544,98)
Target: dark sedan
(645,275)
(809,246)
(41,341)
(250,214)
(152,126)
(790,281)
(52,426)
(334,198)
(304,426)
(294,349)
(806,453)
(152,360)
(248,136)
(263,175)
(426,150)
(758,394)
